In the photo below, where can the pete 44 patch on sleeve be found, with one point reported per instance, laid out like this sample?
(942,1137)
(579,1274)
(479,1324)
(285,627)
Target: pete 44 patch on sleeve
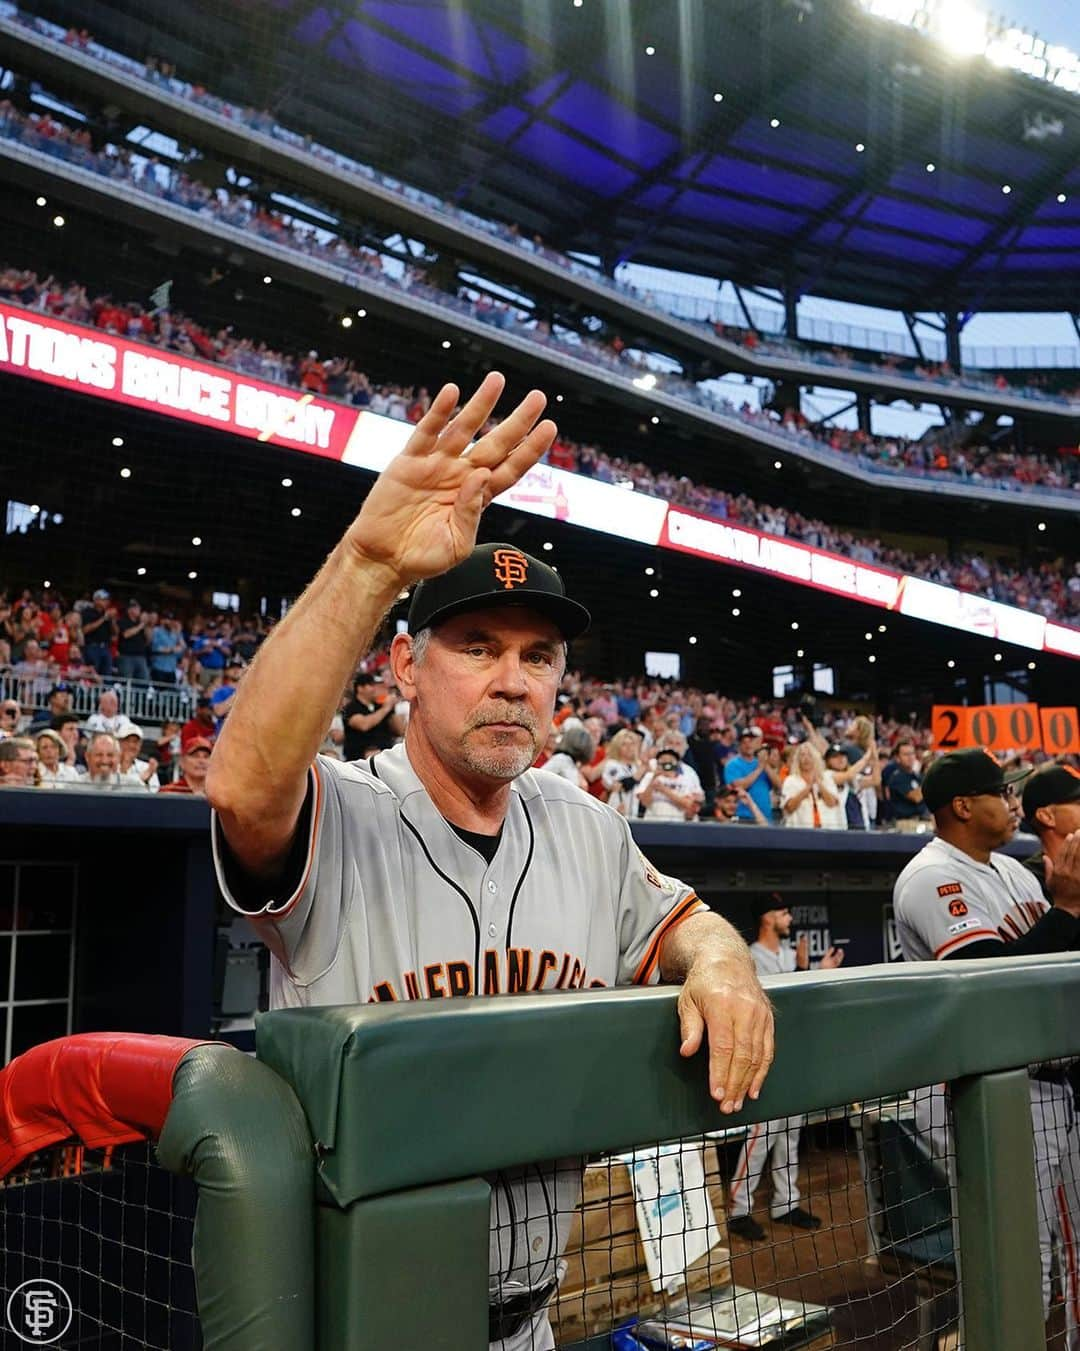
(950,889)
(957,908)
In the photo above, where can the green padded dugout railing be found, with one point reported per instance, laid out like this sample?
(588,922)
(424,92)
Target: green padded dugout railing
(238,1131)
(410,1104)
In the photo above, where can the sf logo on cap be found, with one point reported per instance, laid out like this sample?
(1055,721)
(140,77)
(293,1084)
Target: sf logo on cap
(511,568)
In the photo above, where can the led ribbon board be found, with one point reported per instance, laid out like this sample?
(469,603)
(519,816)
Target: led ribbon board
(76,357)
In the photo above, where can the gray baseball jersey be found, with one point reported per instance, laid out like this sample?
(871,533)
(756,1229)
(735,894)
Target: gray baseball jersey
(944,900)
(388,902)
(769,963)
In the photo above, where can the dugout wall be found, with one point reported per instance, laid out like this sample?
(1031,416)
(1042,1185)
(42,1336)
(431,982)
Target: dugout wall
(413,1106)
(344,1183)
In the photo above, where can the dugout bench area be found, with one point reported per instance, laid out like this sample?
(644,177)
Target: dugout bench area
(162,955)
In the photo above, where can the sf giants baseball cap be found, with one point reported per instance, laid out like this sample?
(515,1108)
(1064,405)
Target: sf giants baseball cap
(496,575)
(1050,787)
(967,773)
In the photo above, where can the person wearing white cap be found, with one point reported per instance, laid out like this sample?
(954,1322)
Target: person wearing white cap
(133,771)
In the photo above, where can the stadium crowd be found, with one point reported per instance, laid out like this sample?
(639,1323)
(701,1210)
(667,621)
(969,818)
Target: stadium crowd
(1005,470)
(162,72)
(1051,589)
(651,749)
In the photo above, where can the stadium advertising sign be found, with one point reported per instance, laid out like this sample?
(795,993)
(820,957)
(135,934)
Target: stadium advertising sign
(113,368)
(738,544)
(86,360)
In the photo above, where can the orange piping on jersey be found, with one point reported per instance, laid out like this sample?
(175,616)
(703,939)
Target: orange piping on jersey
(1073,1294)
(675,917)
(316,812)
(744,1161)
(967,938)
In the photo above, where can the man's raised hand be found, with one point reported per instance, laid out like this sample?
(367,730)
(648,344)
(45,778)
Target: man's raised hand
(421,516)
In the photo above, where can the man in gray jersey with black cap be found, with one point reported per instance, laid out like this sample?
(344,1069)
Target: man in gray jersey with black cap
(446,865)
(959,898)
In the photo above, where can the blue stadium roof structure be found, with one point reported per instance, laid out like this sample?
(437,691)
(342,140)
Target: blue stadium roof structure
(846,156)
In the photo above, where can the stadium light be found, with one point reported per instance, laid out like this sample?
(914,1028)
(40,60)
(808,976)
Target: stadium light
(58,221)
(964,27)
(718,97)
(361,314)
(960,28)
(654,593)
(650,51)
(125,472)
(736,594)
(778,464)
(997,656)
(42,201)
(118,441)
(446,344)
(692,640)
(347,321)
(578,3)
(871,659)
(140,572)
(1031,666)
(1041,525)
(286,482)
(267,280)
(196,540)
(295,511)
(548,545)
(655,420)
(869,637)
(899,11)
(558,398)
(1006,189)
(794,623)
(950,663)
(881,628)
(735,614)
(646,381)
(192,576)
(859,147)
(774,122)
(931,167)
(649,572)
(800,653)
(1062,199)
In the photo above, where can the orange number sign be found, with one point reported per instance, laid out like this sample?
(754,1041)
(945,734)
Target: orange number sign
(1060,730)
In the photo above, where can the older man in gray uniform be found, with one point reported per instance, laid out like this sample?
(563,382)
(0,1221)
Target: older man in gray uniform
(446,866)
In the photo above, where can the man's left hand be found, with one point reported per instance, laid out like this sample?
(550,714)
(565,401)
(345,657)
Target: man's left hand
(726,1001)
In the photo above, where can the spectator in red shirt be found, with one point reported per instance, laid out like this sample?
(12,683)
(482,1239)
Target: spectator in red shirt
(313,374)
(592,773)
(200,727)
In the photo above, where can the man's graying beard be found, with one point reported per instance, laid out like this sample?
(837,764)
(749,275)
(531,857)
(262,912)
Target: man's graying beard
(508,758)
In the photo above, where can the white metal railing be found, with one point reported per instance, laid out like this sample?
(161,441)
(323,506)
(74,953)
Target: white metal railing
(141,702)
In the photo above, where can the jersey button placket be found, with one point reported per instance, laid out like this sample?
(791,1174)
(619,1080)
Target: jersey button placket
(490,905)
